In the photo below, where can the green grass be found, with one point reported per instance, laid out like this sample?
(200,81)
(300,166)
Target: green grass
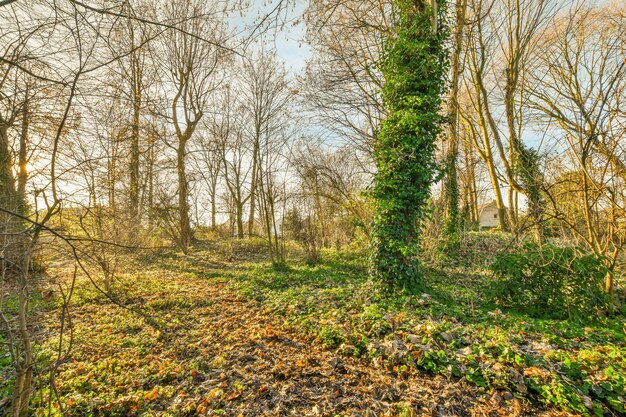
(452,327)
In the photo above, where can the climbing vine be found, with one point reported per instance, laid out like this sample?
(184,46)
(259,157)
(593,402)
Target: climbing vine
(414,66)
(528,168)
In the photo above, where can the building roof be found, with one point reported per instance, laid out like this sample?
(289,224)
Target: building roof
(492,203)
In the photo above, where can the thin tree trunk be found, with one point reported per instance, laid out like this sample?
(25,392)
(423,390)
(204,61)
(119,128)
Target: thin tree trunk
(26,363)
(213,207)
(512,213)
(134,155)
(232,221)
(151,185)
(253,187)
(7,181)
(112,177)
(22,176)
(451,187)
(495,183)
(320,214)
(487,156)
(470,188)
(240,232)
(183,196)
(268,226)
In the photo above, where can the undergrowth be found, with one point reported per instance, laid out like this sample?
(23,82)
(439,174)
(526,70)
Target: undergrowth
(454,327)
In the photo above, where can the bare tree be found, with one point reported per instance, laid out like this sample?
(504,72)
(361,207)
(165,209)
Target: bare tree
(342,82)
(208,165)
(501,40)
(16,58)
(335,182)
(191,65)
(265,95)
(579,87)
(136,75)
(235,152)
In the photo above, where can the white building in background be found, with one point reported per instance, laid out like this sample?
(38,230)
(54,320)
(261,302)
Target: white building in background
(488,215)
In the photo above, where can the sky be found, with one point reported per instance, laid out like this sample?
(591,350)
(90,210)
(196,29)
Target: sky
(289,41)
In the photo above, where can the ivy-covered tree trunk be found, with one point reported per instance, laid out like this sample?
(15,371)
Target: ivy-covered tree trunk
(414,65)
(451,183)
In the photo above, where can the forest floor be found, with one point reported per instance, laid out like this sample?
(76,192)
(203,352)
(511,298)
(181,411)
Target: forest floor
(222,332)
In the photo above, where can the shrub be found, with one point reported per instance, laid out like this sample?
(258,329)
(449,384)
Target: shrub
(304,230)
(331,337)
(550,282)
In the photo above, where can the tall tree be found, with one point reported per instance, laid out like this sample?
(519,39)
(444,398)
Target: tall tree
(227,129)
(265,97)
(451,184)
(579,87)
(12,106)
(193,53)
(414,66)
(500,43)
(135,73)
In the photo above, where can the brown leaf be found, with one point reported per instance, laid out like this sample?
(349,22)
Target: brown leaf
(152,395)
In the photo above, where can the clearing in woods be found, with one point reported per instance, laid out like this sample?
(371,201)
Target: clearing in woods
(239,338)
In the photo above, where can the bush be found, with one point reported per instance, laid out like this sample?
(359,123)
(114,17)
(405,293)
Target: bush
(304,230)
(550,282)
(331,337)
